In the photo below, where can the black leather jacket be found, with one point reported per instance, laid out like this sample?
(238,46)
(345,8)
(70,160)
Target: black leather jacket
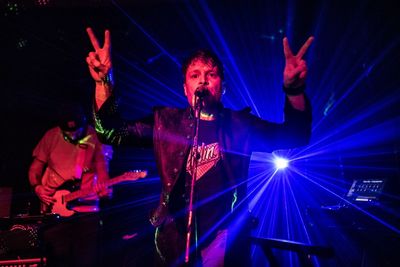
(170,131)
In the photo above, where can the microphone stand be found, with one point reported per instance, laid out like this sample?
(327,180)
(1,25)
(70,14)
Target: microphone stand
(198,105)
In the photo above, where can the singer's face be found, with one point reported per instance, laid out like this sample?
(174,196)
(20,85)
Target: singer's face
(202,74)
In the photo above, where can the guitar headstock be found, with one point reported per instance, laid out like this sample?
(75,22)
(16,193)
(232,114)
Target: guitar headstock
(133,175)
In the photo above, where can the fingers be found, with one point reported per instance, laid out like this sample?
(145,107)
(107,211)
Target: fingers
(296,71)
(107,40)
(95,65)
(304,48)
(48,200)
(286,48)
(102,190)
(45,194)
(93,39)
(95,42)
(99,186)
(99,61)
(296,68)
(295,74)
(92,60)
(303,75)
(288,52)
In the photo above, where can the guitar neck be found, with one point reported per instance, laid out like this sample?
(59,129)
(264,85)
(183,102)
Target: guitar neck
(85,192)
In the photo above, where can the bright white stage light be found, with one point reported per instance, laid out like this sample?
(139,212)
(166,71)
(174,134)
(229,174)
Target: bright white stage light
(281,163)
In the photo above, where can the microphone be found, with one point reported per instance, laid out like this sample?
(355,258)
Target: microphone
(201,92)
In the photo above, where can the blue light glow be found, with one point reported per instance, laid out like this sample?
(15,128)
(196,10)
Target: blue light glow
(281,163)
(353,85)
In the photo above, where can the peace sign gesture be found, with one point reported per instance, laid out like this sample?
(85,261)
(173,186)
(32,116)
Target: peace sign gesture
(99,61)
(295,72)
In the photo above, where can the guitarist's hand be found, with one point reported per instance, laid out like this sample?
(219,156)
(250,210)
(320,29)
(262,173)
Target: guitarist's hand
(45,194)
(102,190)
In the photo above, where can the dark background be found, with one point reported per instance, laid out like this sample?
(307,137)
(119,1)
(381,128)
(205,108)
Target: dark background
(353,84)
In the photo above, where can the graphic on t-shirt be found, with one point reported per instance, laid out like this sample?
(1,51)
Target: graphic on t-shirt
(208,156)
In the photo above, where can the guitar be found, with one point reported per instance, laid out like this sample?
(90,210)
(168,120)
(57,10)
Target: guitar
(64,196)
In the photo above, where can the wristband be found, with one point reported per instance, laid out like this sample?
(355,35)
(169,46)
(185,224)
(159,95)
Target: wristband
(107,79)
(294,91)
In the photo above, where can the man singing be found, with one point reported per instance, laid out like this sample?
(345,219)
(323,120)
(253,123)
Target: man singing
(202,153)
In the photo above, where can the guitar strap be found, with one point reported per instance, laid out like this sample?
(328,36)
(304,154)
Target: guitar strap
(80,160)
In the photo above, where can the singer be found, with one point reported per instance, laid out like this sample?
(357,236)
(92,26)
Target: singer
(202,154)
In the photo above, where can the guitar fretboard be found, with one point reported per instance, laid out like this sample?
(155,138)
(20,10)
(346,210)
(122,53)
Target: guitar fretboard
(131,176)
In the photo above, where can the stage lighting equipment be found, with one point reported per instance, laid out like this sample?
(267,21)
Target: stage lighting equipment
(281,163)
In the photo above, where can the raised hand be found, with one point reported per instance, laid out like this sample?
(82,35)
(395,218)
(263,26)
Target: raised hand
(99,61)
(295,72)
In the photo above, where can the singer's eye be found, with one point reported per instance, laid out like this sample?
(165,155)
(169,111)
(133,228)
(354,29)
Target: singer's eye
(212,74)
(194,76)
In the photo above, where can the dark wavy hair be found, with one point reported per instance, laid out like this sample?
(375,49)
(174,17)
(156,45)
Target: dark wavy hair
(206,56)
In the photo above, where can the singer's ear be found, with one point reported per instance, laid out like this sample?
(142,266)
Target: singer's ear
(184,89)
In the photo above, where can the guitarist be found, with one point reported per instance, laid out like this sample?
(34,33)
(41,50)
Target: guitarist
(71,154)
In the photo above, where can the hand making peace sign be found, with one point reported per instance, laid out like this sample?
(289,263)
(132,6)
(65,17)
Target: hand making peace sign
(99,61)
(295,72)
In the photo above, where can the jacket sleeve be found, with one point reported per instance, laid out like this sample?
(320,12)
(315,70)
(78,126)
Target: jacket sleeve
(295,131)
(112,129)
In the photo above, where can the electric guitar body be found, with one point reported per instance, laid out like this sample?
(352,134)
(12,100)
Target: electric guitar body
(64,196)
